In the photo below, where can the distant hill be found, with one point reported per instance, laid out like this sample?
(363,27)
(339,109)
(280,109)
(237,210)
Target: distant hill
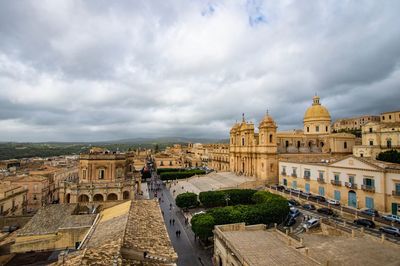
(162,140)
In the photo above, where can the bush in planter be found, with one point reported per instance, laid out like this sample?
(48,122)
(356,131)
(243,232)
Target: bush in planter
(180,174)
(187,200)
(211,199)
(218,198)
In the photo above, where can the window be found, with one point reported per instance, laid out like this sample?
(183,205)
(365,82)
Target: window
(345,145)
(369,202)
(101,173)
(390,117)
(294,171)
(337,195)
(34,197)
(308,129)
(321,191)
(369,182)
(307,173)
(370,130)
(336,177)
(397,188)
(383,117)
(321,175)
(283,170)
(351,179)
(270,138)
(84,173)
(286,143)
(307,187)
(317,128)
(389,143)
(294,184)
(371,143)
(242,141)
(326,128)
(1,209)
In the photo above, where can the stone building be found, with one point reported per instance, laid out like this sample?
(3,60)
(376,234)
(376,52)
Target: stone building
(389,117)
(102,176)
(219,157)
(354,123)
(13,199)
(355,182)
(378,137)
(256,153)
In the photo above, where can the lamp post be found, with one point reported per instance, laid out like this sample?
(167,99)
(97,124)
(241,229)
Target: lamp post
(227,199)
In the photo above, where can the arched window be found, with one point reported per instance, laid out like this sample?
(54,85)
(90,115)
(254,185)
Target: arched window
(242,141)
(270,138)
(345,145)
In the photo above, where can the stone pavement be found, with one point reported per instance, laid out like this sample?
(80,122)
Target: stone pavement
(189,251)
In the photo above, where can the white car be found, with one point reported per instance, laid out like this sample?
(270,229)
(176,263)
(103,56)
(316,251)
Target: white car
(311,223)
(333,202)
(294,212)
(392,217)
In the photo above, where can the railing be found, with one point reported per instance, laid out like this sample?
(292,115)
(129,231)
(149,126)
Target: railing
(368,188)
(336,182)
(283,173)
(350,185)
(321,180)
(294,175)
(396,193)
(307,177)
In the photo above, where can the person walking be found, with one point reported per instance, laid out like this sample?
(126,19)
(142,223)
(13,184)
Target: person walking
(170,221)
(173,221)
(176,233)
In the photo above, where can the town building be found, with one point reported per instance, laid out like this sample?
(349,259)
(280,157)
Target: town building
(256,153)
(355,182)
(103,176)
(378,137)
(219,157)
(13,199)
(354,123)
(389,117)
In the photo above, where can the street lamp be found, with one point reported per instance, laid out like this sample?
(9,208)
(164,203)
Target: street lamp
(227,199)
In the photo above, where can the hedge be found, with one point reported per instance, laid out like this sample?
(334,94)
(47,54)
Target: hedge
(187,200)
(181,174)
(165,170)
(270,208)
(211,199)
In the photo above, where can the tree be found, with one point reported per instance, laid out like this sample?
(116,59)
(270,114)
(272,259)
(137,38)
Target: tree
(156,148)
(202,225)
(391,156)
(187,200)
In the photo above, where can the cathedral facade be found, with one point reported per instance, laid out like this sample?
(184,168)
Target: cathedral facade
(256,154)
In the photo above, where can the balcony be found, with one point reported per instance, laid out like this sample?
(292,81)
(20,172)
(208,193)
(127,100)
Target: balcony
(306,177)
(368,188)
(350,185)
(321,180)
(294,175)
(336,183)
(396,193)
(283,173)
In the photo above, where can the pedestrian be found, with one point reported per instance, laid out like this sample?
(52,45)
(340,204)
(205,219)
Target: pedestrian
(179,233)
(170,221)
(173,221)
(176,233)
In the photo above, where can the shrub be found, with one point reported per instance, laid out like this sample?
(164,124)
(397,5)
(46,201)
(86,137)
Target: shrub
(391,156)
(181,174)
(187,200)
(211,199)
(165,170)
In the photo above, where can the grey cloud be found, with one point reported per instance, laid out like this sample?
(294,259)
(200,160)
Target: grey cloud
(88,70)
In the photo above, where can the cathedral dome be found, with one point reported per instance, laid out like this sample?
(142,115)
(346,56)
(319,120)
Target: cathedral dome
(316,111)
(267,121)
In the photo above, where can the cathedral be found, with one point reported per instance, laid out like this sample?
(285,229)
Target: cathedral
(256,154)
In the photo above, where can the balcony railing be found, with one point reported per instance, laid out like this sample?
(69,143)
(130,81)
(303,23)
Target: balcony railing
(321,180)
(283,173)
(336,182)
(307,177)
(396,193)
(368,188)
(350,185)
(294,175)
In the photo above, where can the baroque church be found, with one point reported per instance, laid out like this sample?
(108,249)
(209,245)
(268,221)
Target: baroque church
(256,154)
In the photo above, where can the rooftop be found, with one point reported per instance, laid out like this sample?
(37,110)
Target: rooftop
(49,219)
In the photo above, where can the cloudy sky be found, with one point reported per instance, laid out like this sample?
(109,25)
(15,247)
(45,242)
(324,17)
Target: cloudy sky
(101,70)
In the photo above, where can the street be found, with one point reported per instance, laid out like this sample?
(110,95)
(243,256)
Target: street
(190,252)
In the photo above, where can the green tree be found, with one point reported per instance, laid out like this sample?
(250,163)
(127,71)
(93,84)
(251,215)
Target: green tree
(202,225)
(391,156)
(187,200)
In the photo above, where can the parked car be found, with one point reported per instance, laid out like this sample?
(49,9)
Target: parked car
(277,187)
(391,218)
(294,212)
(306,194)
(290,220)
(325,211)
(317,197)
(293,202)
(390,230)
(311,223)
(9,228)
(370,212)
(294,191)
(333,202)
(365,223)
(309,206)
